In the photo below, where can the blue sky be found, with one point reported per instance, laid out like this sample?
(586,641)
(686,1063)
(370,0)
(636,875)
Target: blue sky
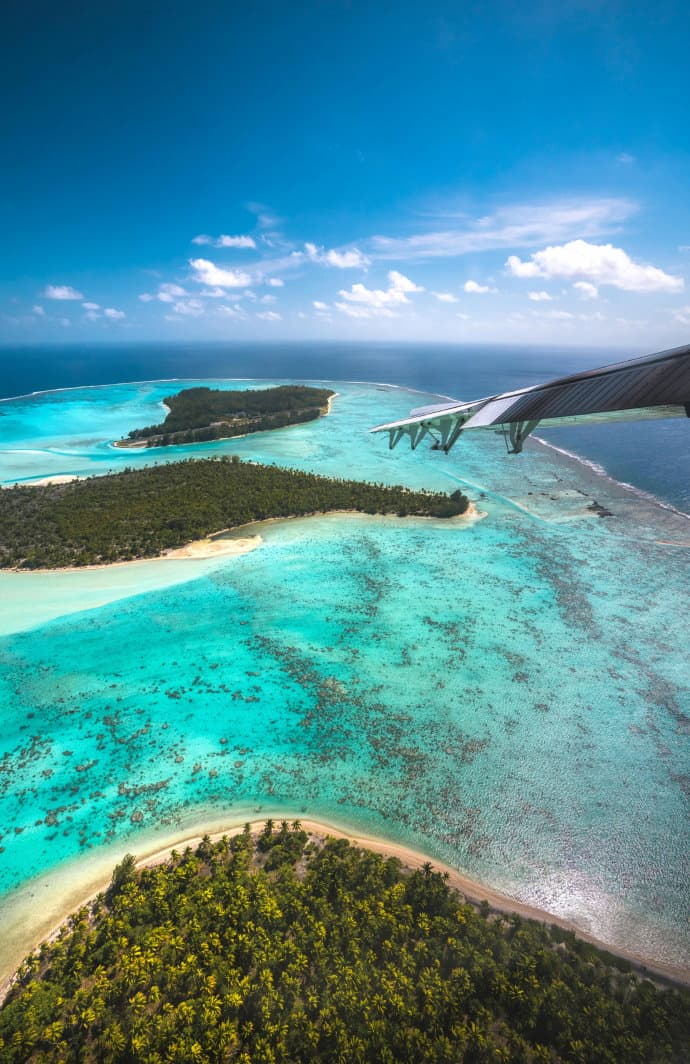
(463,172)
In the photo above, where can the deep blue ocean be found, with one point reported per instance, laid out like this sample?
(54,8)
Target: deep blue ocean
(654,457)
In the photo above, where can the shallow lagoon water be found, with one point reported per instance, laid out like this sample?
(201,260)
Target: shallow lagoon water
(509,696)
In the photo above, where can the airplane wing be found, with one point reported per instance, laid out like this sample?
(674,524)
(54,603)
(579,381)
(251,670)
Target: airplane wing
(655,386)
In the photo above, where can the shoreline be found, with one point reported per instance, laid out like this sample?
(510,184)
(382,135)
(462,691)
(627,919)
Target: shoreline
(134,445)
(223,544)
(27,935)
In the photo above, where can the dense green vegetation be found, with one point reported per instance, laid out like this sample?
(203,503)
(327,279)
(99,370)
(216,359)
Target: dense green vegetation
(200,414)
(277,948)
(140,513)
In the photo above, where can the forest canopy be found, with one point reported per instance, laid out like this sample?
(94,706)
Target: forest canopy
(286,947)
(201,414)
(142,513)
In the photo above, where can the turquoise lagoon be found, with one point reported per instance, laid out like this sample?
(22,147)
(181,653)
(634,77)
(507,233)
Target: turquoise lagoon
(509,696)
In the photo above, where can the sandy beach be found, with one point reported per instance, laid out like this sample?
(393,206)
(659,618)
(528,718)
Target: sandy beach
(62,478)
(41,907)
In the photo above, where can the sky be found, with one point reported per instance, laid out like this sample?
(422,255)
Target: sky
(323,169)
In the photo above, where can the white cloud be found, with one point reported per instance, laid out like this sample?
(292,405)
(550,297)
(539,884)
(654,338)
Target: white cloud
(92,315)
(91,306)
(189,308)
(167,293)
(683,315)
(275,282)
(224,241)
(212,275)
(626,157)
(509,227)
(348,259)
(353,311)
(553,315)
(61,291)
(473,288)
(65,322)
(445,297)
(586,290)
(463,317)
(401,283)
(232,312)
(113,314)
(377,302)
(539,297)
(269,315)
(39,311)
(267,299)
(600,263)
(318,304)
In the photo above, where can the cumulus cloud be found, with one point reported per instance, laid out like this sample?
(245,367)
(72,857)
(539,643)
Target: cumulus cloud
(275,282)
(473,288)
(539,297)
(113,314)
(601,264)
(347,259)
(513,226)
(39,311)
(353,311)
(216,276)
(683,315)
(167,293)
(377,302)
(318,304)
(269,315)
(232,312)
(91,306)
(445,297)
(463,317)
(61,291)
(586,290)
(267,299)
(224,241)
(189,308)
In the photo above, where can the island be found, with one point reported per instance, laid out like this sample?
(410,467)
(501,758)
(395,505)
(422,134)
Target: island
(197,415)
(287,945)
(142,513)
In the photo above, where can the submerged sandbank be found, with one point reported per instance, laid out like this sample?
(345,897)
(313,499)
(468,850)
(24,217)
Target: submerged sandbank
(37,911)
(33,597)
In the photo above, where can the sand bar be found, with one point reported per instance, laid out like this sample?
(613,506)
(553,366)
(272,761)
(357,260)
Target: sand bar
(37,910)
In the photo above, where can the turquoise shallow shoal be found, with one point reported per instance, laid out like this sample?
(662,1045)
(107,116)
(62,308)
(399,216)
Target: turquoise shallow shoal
(510,696)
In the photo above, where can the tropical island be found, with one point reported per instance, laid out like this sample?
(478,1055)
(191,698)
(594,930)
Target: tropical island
(286,945)
(142,513)
(197,415)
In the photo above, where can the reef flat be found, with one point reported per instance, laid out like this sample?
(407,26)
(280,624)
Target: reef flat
(509,696)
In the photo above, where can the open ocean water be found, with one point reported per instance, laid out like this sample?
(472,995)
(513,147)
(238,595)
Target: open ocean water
(510,696)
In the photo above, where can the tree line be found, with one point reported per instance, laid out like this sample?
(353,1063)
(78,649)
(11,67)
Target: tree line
(285,947)
(142,513)
(201,414)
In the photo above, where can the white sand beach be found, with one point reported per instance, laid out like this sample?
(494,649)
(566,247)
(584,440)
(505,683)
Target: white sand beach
(41,907)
